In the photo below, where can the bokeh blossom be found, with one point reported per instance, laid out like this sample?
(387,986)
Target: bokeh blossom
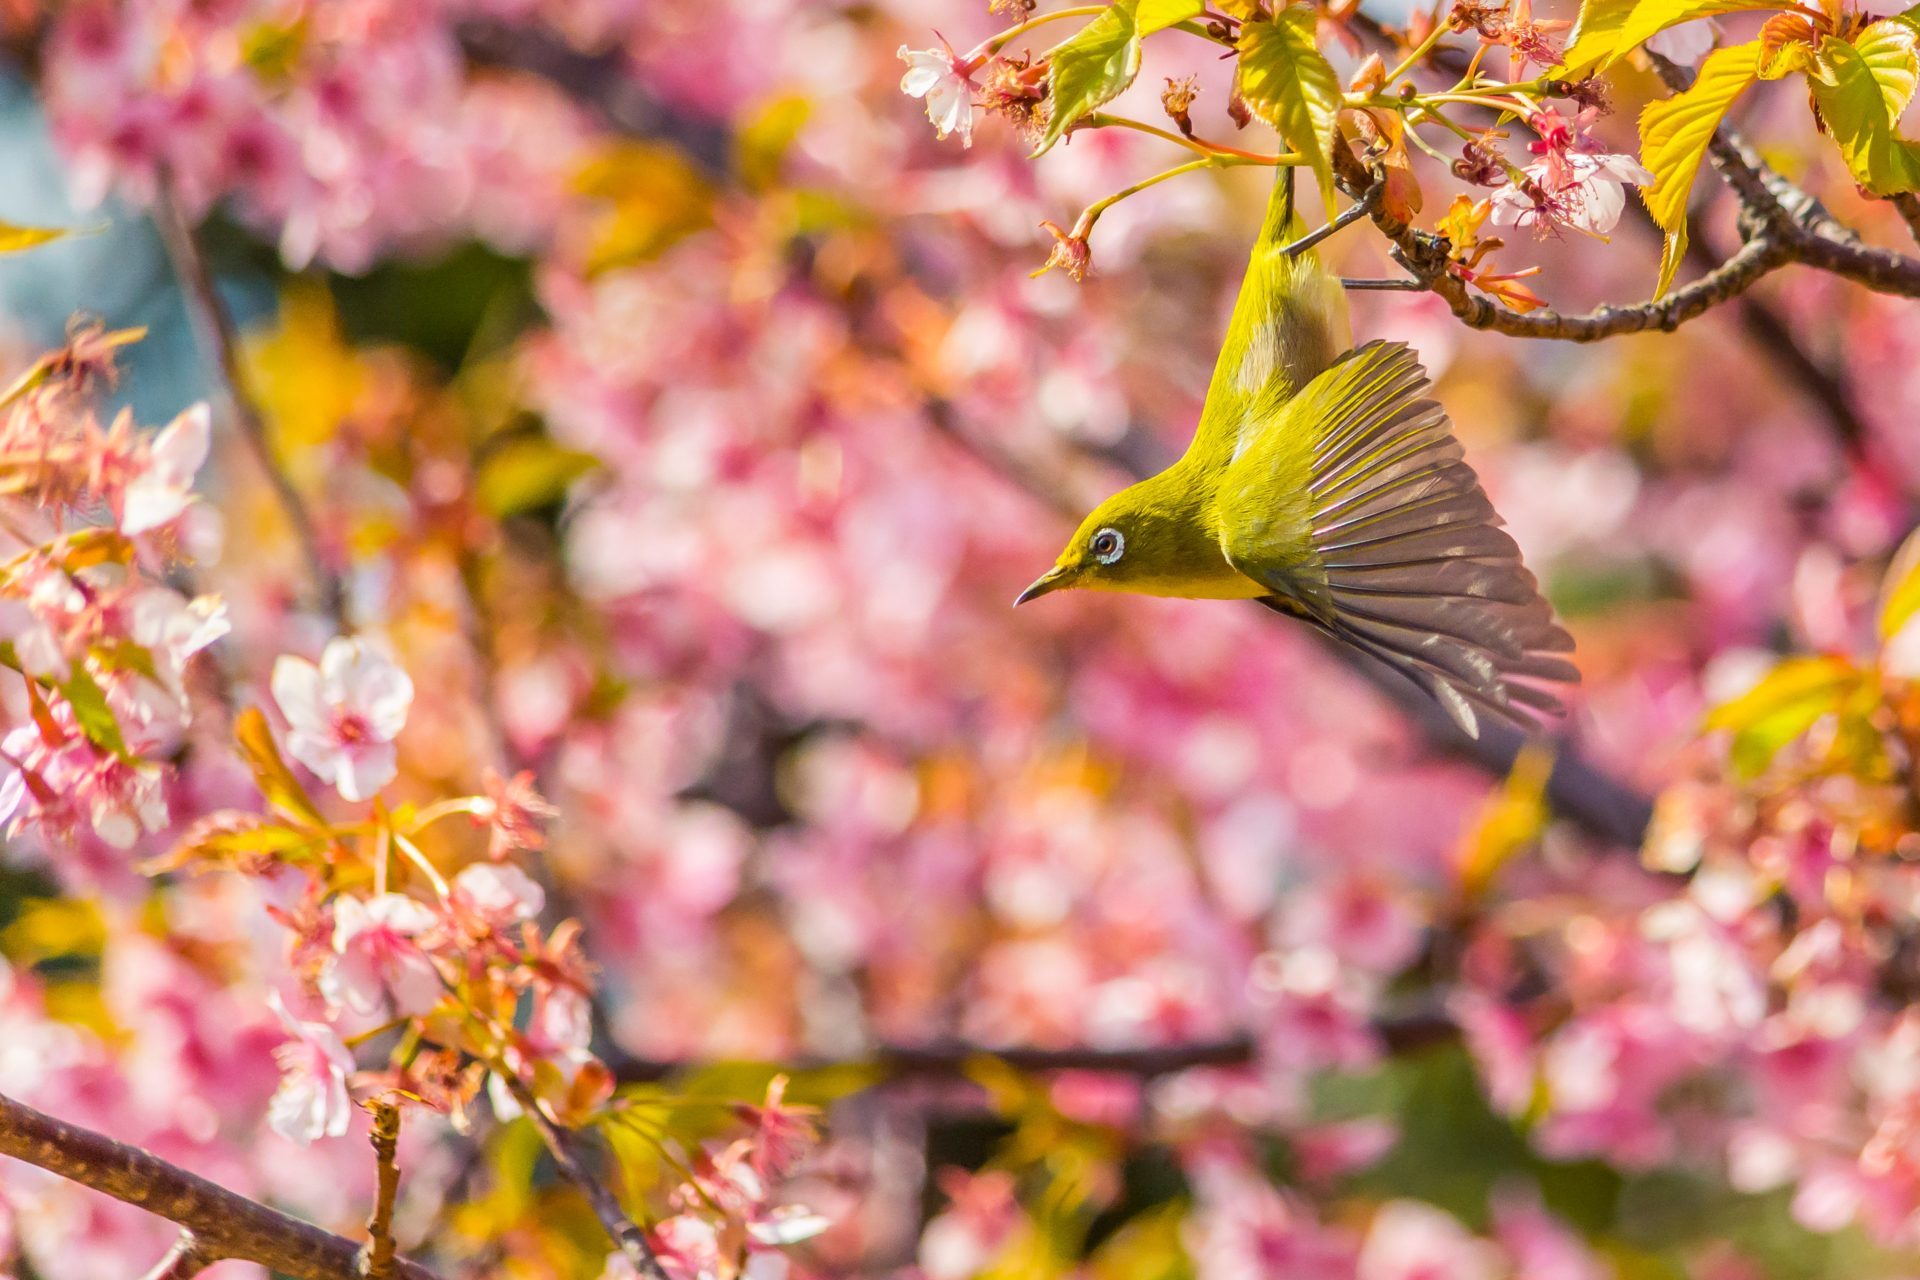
(344,714)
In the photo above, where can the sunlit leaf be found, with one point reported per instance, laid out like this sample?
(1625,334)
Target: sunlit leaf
(1511,819)
(1287,83)
(762,144)
(91,712)
(1595,35)
(1651,17)
(1157,15)
(528,473)
(14,238)
(303,372)
(1674,134)
(1148,1247)
(50,927)
(1091,68)
(1862,90)
(1900,588)
(270,772)
(654,198)
(1785,705)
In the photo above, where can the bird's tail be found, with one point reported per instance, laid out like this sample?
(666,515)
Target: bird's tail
(1413,565)
(1287,301)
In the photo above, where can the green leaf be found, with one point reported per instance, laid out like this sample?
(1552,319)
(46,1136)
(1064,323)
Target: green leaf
(1674,133)
(1157,15)
(1091,68)
(1287,83)
(528,473)
(1595,35)
(91,711)
(1651,17)
(1785,705)
(1864,88)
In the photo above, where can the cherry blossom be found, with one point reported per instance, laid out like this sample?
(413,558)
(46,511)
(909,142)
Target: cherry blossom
(311,1101)
(161,490)
(945,80)
(1590,199)
(344,714)
(380,962)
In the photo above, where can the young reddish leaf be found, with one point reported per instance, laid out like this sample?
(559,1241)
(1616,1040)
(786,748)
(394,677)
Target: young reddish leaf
(1787,44)
(270,772)
(1674,133)
(1287,82)
(1091,68)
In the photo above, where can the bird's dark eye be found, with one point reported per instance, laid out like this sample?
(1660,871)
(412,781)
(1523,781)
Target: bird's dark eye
(1107,546)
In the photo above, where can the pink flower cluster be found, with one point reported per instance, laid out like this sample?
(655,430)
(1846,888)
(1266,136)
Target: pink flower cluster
(343,129)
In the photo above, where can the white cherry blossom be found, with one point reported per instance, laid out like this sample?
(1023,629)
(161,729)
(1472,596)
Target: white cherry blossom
(344,714)
(165,488)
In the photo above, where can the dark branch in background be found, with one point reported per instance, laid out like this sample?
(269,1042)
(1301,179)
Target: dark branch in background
(1769,332)
(220,344)
(219,1223)
(950,1060)
(603,82)
(626,1237)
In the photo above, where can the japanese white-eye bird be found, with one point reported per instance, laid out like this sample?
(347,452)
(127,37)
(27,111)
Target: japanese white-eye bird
(1325,486)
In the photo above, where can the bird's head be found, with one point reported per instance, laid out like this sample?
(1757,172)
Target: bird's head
(1111,551)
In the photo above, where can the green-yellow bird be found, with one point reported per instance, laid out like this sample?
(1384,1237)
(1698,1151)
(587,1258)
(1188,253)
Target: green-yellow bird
(1325,486)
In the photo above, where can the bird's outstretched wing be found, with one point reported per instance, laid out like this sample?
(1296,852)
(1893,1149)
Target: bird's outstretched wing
(1403,554)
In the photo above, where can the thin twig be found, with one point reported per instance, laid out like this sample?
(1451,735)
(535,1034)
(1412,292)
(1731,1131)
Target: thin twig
(220,344)
(1360,209)
(182,1262)
(224,1224)
(627,1237)
(377,1259)
(1408,285)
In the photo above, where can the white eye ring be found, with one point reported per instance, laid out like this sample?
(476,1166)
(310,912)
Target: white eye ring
(1108,545)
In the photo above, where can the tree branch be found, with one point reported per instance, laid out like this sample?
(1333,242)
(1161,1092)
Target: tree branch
(221,1223)
(377,1259)
(220,344)
(182,1262)
(1908,205)
(626,1236)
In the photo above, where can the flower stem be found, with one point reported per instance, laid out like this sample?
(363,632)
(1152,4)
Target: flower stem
(993,44)
(1199,146)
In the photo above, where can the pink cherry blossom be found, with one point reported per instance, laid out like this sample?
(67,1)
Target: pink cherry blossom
(311,1101)
(380,964)
(344,714)
(164,487)
(1590,199)
(498,893)
(1410,1240)
(942,78)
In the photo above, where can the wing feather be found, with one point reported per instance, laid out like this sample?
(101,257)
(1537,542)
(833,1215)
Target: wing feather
(1408,560)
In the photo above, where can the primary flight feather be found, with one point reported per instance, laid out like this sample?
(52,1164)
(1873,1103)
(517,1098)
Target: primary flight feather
(1325,485)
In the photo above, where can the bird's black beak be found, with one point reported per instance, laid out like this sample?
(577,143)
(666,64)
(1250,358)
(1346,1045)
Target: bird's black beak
(1054,579)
